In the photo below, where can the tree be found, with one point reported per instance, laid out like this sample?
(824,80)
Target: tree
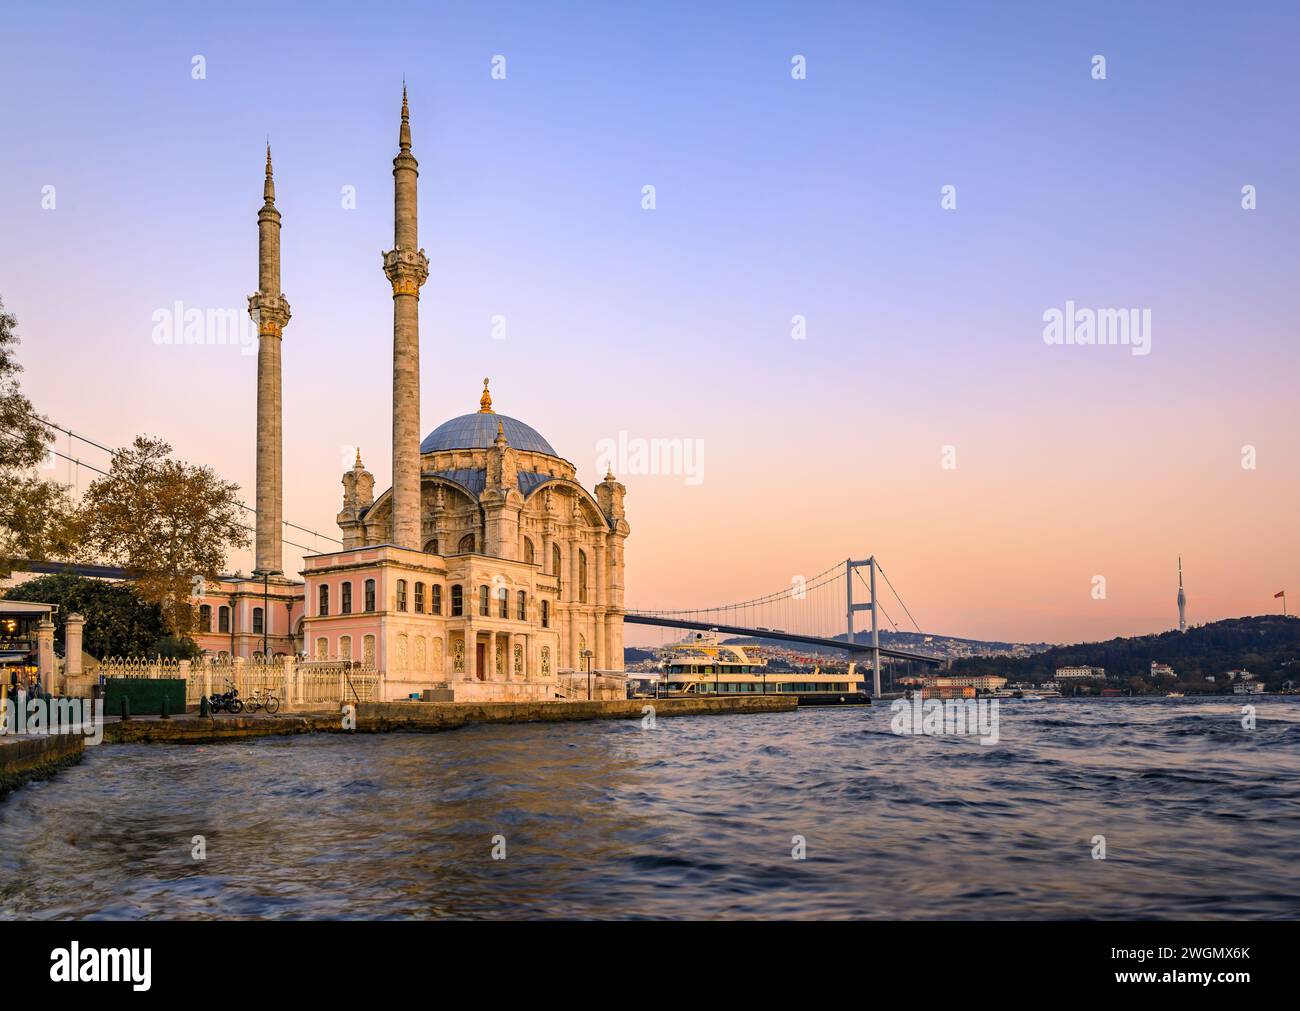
(168,523)
(36,516)
(118,623)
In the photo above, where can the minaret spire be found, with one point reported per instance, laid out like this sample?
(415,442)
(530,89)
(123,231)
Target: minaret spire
(407,268)
(270,311)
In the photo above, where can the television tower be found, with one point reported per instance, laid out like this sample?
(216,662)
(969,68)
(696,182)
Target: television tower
(1182,598)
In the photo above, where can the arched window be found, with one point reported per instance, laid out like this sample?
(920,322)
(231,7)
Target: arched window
(345,598)
(223,619)
(205,617)
(258,622)
(483,608)
(503,602)
(322,648)
(555,565)
(368,650)
(345,647)
(370,594)
(466,544)
(546,614)
(324,608)
(437,598)
(522,612)
(432,547)
(582,576)
(401,594)
(419,598)
(528,551)
(457,600)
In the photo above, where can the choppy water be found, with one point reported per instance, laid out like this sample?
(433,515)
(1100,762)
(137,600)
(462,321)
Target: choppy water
(694,818)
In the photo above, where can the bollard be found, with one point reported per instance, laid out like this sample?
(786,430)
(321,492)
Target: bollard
(205,707)
(126,708)
(162,710)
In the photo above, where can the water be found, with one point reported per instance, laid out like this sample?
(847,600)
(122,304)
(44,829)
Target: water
(692,819)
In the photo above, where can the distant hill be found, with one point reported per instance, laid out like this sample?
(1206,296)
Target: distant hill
(1267,646)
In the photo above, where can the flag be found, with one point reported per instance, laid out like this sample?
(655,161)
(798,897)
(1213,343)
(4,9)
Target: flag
(1280,593)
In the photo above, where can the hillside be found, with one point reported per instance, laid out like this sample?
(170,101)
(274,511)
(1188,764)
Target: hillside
(1267,645)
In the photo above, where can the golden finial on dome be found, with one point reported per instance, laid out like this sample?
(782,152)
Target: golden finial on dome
(485,401)
(358,463)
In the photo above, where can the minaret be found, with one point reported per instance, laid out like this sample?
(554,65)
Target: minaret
(1182,598)
(270,311)
(407,268)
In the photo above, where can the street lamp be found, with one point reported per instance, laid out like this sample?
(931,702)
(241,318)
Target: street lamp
(266,575)
(586,656)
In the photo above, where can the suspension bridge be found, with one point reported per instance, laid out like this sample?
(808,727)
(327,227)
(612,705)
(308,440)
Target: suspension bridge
(815,611)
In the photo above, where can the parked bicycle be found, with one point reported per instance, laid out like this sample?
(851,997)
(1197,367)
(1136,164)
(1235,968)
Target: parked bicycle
(262,699)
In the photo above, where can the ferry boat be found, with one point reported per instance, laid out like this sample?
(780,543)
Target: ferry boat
(703,665)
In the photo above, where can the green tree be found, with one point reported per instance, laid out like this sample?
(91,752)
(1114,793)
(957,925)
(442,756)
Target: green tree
(36,516)
(168,523)
(118,623)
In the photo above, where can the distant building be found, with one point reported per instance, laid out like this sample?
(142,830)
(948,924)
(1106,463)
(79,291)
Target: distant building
(1161,670)
(1240,675)
(977,682)
(1079,673)
(1248,688)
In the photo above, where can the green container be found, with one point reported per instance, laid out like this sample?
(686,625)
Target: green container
(146,695)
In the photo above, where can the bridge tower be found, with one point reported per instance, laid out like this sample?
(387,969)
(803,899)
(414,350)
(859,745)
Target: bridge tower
(850,568)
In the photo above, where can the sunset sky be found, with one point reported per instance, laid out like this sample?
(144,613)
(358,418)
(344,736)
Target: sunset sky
(775,198)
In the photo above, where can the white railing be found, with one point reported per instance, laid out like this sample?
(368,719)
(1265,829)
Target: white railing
(292,681)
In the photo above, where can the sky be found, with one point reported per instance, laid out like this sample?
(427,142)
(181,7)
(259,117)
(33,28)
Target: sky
(919,415)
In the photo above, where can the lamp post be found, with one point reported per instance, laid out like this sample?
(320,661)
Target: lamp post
(586,658)
(266,575)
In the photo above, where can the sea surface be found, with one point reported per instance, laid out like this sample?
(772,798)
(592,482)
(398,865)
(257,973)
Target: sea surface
(695,817)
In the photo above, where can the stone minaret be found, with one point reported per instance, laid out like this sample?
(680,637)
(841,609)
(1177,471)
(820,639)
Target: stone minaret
(407,268)
(270,312)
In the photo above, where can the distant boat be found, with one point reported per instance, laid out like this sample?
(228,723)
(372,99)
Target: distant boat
(1174,695)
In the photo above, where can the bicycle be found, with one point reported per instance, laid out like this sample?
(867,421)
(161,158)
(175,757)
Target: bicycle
(262,699)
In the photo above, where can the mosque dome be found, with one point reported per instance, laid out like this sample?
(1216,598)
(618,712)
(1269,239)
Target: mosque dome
(477,431)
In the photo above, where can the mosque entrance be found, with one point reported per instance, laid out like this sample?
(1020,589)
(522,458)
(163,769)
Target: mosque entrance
(480,659)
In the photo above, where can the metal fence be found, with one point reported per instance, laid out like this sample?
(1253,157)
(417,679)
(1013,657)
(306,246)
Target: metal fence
(294,682)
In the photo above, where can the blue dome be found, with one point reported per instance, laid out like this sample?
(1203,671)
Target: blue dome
(477,431)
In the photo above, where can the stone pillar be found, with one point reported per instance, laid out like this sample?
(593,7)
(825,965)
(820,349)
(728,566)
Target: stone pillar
(73,628)
(601,660)
(407,268)
(45,654)
(471,653)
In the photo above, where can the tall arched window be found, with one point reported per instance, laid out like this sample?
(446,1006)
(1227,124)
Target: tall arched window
(466,544)
(370,594)
(345,598)
(437,598)
(483,608)
(419,598)
(223,619)
(432,547)
(555,565)
(528,550)
(503,602)
(522,612)
(582,576)
(401,594)
(258,621)
(324,597)
(205,617)
(546,614)
(457,600)
(345,647)
(322,648)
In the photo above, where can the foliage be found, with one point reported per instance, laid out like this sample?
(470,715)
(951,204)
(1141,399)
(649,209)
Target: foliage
(118,623)
(168,523)
(1264,645)
(36,516)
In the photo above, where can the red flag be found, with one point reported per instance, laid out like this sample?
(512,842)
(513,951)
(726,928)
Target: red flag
(1280,593)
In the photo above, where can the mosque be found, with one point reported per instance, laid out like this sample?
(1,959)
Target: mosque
(485,573)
